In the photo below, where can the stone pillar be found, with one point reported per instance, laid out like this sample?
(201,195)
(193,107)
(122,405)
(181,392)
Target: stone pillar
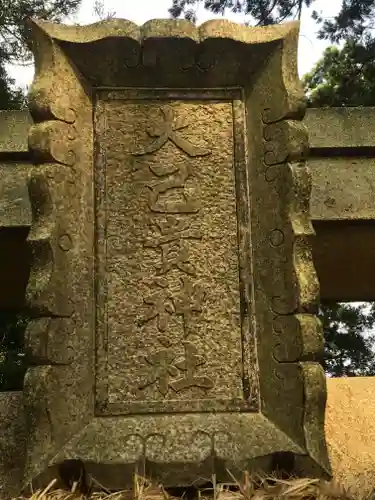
(172,285)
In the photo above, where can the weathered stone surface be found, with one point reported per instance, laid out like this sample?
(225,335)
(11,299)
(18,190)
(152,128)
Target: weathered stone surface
(179,236)
(341,128)
(12,444)
(342,163)
(342,193)
(343,188)
(329,128)
(183,256)
(15,208)
(343,200)
(14,129)
(15,220)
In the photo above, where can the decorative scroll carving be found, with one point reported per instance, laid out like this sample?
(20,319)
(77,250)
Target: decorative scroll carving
(59,287)
(293,300)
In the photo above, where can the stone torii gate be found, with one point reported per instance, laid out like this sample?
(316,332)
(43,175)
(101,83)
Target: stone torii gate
(114,204)
(342,164)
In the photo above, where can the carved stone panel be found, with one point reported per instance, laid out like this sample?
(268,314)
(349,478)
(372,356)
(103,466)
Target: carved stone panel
(172,289)
(168,285)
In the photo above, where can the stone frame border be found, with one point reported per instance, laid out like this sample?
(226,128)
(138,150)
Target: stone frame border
(59,401)
(240,167)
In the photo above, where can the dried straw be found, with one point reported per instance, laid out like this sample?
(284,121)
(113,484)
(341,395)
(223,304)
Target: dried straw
(250,488)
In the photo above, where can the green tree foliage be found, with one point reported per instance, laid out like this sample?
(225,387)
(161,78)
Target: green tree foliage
(261,11)
(343,77)
(10,98)
(354,20)
(13,35)
(13,30)
(12,357)
(349,340)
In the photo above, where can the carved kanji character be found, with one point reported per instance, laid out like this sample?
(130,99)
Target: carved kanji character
(189,299)
(176,254)
(188,364)
(175,251)
(169,131)
(160,306)
(165,183)
(170,176)
(171,229)
(162,369)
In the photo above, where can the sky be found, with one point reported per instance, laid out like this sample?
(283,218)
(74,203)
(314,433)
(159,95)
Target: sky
(309,52)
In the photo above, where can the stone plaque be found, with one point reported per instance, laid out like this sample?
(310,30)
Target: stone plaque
(168,167)
(172,289)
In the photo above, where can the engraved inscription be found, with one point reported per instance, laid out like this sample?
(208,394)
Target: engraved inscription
(173,240)
(160,305)
(176,370)
(188,364)
(169,129)
(171,176)
(163,303)
(161,362)
(175,178)
(168,256)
